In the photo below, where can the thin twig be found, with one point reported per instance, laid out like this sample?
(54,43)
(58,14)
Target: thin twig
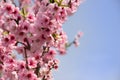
(1,62)
(26,59)
(13,2)
(37,69)
(21,43)
(4,0)
(28,44)
(45,50)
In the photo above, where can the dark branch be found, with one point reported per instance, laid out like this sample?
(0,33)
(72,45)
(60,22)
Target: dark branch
(26,59)
(37,69)
(4,0)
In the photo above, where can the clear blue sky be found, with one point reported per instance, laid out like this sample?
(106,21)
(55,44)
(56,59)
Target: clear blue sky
(98,57)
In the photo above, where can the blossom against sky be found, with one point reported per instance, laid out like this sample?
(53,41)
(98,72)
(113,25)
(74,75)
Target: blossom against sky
(98,57)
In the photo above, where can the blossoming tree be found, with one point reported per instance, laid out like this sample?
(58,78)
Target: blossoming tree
(33,29)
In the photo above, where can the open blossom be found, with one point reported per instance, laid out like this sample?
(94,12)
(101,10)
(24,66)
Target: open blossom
(32,63)
(76,40)
(32,29)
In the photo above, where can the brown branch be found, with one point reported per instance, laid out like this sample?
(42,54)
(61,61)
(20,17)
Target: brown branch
(4,0)
(20,43)
(43,78)
(28,44)
(45,50)
(26,47)
(37,69)
(26,59)
(1,62)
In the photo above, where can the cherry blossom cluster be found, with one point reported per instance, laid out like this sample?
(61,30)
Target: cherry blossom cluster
(33,29)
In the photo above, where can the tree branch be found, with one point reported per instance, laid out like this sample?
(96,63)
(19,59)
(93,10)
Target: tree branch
(37,69)
(4,0)
(26,59)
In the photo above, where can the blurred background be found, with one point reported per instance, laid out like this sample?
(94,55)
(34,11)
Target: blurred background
(98,56)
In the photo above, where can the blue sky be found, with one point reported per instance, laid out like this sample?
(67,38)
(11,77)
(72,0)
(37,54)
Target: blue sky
(98,56)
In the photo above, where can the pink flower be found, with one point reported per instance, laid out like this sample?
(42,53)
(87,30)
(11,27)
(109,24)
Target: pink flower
(32,63)
(76,40)
(31,35)
(21,65)
(80,34)
(8,8)
(30,76)
(51,54)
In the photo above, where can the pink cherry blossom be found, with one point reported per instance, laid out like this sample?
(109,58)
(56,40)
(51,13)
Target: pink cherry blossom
(31,35)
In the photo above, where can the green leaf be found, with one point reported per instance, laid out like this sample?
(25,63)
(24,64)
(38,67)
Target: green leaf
(55,36)
(51,1)
(5,33)
(67,45)
(23,12)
